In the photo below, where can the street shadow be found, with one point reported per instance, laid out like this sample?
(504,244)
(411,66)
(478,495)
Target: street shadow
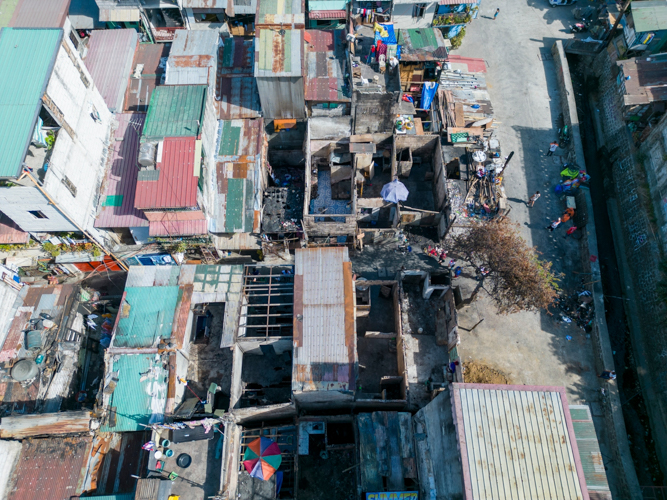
(554,14)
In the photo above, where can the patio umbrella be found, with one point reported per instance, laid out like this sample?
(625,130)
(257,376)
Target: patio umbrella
(394,192)
(262,458)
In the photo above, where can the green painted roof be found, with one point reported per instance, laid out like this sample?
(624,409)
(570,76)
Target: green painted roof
(649,15)
(230,138)
(240,214)
(7,8)
(140,395)
(589,449)
(26,61)
(151,316)
(117,496)
(175,111)
(420,38)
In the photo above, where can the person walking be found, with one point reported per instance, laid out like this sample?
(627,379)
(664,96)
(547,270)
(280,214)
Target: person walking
(554,224)
(533,199)
(552,148)
(496,14)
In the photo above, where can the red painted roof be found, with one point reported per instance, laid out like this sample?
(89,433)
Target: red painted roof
(327,14)
(40,14)
(474,65)
(10,233)
(121,179)
(50,468)
(178,228)
(176,184)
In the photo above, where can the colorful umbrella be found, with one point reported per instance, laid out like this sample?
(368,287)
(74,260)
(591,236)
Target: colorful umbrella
(262,458)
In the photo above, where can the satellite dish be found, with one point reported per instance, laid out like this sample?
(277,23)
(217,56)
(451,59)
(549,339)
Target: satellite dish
(26,369)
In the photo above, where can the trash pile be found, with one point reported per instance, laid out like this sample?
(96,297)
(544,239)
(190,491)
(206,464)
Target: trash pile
(578,308)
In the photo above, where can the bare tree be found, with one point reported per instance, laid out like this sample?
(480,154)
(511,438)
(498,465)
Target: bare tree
(509,270)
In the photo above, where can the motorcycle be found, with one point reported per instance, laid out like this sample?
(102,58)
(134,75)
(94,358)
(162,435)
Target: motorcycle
(580,27)
(563,136)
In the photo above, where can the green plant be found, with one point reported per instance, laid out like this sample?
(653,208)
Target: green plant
(96,252)
(50,140)
(458,39)
(180,247)
(51,249)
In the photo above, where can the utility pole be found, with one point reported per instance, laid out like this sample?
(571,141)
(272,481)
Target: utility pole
(610,37)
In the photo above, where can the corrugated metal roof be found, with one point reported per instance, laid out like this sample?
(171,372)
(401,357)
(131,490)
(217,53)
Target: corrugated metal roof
(153,58)
(278,55)
(238,98)
(109,60)
(205,4)
(236,57)
(325,66)
(192,59)
(150,318)
(149,276)
(456,2)
(324,339)
(173,183)
(117,202)
(423,44)
(517,442)
(117,496)
(140,396)
(327,14)
(242,7)
(45,424)
(314,5)
(589,450)
(27,57)
(649,15)
(84,14)
(281,12)
(50,468)
(9,455)
(120,15)
(10,233)
(238,198)
(40,14)
(177,228)
(175,111)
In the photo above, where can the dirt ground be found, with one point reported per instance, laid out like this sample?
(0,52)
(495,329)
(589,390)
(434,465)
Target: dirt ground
(479,373)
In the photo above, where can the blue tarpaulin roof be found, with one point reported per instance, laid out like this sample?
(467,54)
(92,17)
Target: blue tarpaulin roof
(391,36)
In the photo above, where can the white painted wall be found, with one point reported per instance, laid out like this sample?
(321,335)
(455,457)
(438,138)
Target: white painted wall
(402,15)
(17,202)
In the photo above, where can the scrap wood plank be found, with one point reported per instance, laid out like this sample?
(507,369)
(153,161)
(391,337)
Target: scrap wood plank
(395,481)
(370,477)
(458,114)
(407,445)
(380,434)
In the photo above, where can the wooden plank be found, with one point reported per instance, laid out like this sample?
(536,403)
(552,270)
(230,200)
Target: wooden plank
(395,481)
(370,477)
(419,129)
(380,433)
(380,335)
(458,115)
(361,138)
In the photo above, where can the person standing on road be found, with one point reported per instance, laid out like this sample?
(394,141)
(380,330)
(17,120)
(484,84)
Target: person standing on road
(552,148)
(533,199)
(608,375)
(496,14)
(554,224)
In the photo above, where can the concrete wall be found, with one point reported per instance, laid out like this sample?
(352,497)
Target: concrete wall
(654,150)
(79,154)
(402,15)
(613,412)
(8,296)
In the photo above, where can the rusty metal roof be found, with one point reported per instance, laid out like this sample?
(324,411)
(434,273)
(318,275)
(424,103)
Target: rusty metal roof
(327,14)
(285,13)
(238,169)
(40,14)
(278,54)
(109,60)
(325,66)
(325,350)
(236,57)
(192,59)
(173,183)
(423,44)
(238,98)
(117,203)
(153,58)
(648,80)
(10,233)
(45,424)
(50,468)
(517,442)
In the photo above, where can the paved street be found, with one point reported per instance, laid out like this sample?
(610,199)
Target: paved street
(529,348)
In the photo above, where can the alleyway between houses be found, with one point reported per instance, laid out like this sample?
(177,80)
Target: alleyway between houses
(526,348)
